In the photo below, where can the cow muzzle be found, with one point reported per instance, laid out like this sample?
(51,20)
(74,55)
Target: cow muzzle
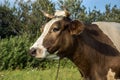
(42,53)
(38,52)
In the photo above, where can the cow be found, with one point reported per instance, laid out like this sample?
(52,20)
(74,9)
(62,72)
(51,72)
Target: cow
(94,48)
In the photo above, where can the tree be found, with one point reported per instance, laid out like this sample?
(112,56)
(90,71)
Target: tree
(31,16)
(111,14)
(8,21)
(94,15)
(23,17)
(75,7)
(37,16)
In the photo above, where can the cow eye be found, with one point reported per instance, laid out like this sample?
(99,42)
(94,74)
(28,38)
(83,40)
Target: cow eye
(55,29)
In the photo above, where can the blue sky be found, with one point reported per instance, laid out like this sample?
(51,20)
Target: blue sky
(100,4)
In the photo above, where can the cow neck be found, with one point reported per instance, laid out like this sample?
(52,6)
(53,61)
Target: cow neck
(78,58)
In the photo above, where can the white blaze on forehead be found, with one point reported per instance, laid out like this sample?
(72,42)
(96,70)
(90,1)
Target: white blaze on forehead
(112,30)
(39,43)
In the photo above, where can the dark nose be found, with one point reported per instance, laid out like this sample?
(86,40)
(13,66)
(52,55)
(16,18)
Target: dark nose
(32,52)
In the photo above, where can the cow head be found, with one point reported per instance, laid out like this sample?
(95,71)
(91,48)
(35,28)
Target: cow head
(57,35)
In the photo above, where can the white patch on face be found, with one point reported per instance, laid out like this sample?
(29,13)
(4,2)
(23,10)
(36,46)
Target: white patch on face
(39,43)
(112,30)
(111,75)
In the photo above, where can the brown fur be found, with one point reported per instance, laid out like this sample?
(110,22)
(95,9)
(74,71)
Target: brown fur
(95,54)
(86,45)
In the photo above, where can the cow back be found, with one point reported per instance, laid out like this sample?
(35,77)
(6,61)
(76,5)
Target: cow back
(112,30)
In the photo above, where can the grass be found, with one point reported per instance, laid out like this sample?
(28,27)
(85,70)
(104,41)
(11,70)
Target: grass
(34,74)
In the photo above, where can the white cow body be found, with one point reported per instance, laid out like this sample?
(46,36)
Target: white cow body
(112,30)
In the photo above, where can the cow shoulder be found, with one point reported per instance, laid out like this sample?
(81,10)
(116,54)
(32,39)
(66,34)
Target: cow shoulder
(100,41)
(112,30)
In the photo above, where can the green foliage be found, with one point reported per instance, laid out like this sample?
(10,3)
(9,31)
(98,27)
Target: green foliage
(8,22)
(94,15)
(112,13)
(13,52)
(23,17)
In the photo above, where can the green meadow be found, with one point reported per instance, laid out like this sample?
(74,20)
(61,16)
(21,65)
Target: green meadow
(35,74)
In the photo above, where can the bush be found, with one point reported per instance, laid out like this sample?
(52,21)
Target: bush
(14,52)
(14,55)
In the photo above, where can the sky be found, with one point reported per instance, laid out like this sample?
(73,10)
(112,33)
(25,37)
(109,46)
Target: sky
(100,4)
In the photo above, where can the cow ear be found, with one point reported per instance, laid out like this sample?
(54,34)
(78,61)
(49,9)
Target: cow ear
(76,27)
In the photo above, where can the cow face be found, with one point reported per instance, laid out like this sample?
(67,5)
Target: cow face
(56,37)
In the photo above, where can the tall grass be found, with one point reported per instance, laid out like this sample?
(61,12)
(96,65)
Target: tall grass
(34,74)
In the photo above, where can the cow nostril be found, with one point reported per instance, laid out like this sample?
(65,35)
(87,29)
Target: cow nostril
(33,52)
